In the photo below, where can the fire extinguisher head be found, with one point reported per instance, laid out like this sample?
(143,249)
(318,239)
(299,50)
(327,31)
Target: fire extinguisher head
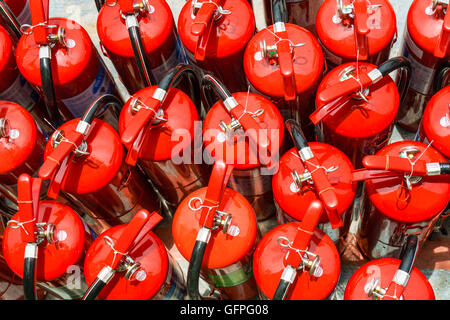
(365,284)
(436,122)
(269,263)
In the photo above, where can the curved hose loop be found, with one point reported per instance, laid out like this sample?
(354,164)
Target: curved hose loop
(29,271)
(405,74)
(10,19)
(195,263)
(279,11)
(440,76)
(102,102)
(138,49)
(209,81)
(99,4)
(409,253)
(48,86)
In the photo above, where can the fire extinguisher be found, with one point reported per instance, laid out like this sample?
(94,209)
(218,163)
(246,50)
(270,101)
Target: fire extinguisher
(13,14)
(397,180)
(44,240)
(84,158)
(297,261)
(356,30)
(215,34)
(427,39)
(132,256)
(215,229)
(151,125)
(391,279)
(357,104)
(246,130)
(57,55)
(435,126)
(299,12)
(284,62)
(140,39)
(310,172)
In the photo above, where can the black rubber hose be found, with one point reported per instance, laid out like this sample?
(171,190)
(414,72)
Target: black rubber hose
(405,75)
(282,289)
(408,255)
(140,56)
(49,91)
(99,4)
(10,19)
(102,279)
(209,81)
(100,103)
(440,76)
(29,271)
(297,134)
(445,168)
(279,11)
(195,265)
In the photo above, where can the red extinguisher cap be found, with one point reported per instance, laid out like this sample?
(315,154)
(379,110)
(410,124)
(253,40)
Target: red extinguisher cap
(53,258)
(154,28)
(233,31)
(436,121)
(178,131)
(245,157)
(67,62)
(269,263)
(340,39)
(148,250)
(18,135)
(418,287)
(223,249)
(266,77)
(92,171)
(293,201)
(357,118)
(427,197)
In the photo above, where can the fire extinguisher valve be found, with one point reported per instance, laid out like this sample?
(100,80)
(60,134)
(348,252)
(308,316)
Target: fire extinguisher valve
(375,290)
(4,128)
(45,231)
(222,220)
(58,137)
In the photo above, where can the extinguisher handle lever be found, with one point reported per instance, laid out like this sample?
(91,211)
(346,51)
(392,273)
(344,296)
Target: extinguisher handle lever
(25,202)
(441,50)
(140,120)
(361,29)
(285,61)
(365,174)
(39,16)
(395,163)
(126,6)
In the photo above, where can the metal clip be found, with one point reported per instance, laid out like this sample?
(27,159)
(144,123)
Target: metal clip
(305,177)
(58,137)
(409,153)
(221,219)
(136,104)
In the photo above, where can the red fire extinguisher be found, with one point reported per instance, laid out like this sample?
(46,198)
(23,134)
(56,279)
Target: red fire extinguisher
(397,180)
(245,130)
(427,39)
(151,125)
(215,34)
(13,14)
(57,55)
(390,279)
(322,173)
(300,12)
(435,126)
(297,261)
(284,62)
(356,30)
(132,256)
(43,240)
(215,229)
(84,158)
(357,104)
(141,40)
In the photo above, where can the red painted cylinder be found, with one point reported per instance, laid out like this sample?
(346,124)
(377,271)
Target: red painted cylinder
(358,127)
(227,261)
(79,76)
(219,48)
(426,47)
(159,38)
(435,125)
(269,261)
(158,277)
(96,174)
(57,260)
(249,177)
(367,37)
(167,161)
(294,99)
(392,211)
(292,202)
(382,271)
